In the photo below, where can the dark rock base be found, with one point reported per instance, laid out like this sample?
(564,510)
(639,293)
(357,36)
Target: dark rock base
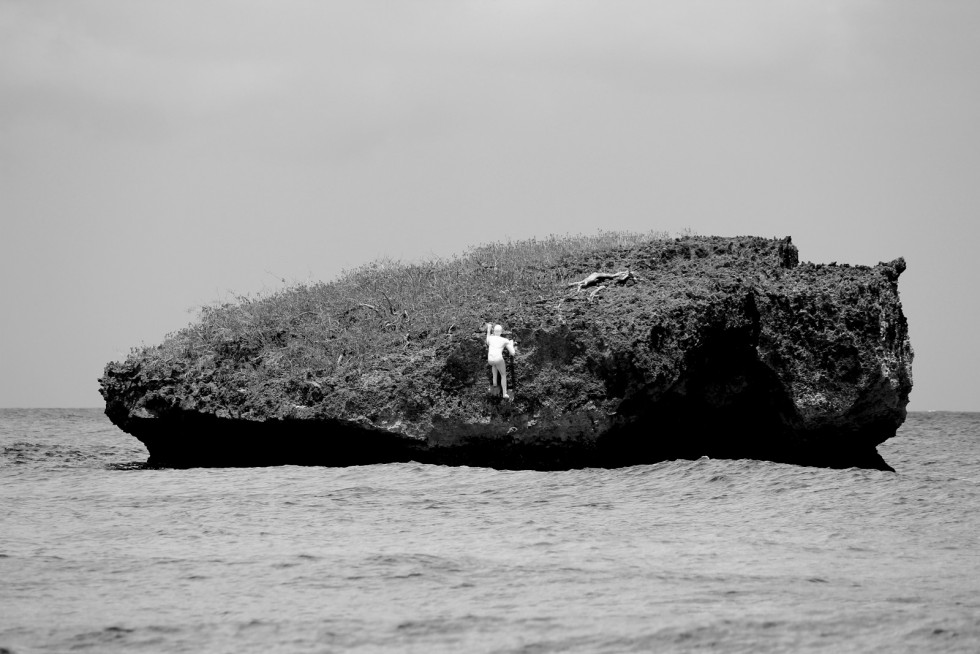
(206,441)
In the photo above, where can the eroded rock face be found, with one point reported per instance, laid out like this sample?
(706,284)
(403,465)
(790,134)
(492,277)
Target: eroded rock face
(722,347)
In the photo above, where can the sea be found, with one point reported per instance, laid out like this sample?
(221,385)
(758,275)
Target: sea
(100,554)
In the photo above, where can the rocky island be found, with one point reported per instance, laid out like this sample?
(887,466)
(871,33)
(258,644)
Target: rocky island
(631,349)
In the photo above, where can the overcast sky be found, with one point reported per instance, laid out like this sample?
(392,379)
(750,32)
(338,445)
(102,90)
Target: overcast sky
(157,156)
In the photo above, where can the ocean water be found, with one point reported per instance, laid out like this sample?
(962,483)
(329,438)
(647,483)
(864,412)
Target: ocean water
(99,555)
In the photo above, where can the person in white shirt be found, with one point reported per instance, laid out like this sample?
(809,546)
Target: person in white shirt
(495,355)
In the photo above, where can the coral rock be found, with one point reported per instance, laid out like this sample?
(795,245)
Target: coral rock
(718,347)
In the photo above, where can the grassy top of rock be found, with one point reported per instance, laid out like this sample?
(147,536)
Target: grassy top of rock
(334,328)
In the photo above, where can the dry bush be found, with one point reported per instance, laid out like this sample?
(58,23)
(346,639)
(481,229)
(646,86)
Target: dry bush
(333,328)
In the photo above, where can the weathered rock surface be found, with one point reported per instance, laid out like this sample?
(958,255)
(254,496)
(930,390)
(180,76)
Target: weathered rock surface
(719,347)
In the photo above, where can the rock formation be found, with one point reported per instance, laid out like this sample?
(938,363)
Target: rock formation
(707,346)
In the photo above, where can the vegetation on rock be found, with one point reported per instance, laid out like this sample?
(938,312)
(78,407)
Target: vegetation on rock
(333,333)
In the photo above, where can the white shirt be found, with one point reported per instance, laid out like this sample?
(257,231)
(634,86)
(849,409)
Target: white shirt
(497,345)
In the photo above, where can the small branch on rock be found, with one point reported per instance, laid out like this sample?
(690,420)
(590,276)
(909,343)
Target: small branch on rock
(619,277)
(593,293)
(561,318)
(391,306)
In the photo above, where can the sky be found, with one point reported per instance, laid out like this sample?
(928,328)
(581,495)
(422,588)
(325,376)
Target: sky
(156,157)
